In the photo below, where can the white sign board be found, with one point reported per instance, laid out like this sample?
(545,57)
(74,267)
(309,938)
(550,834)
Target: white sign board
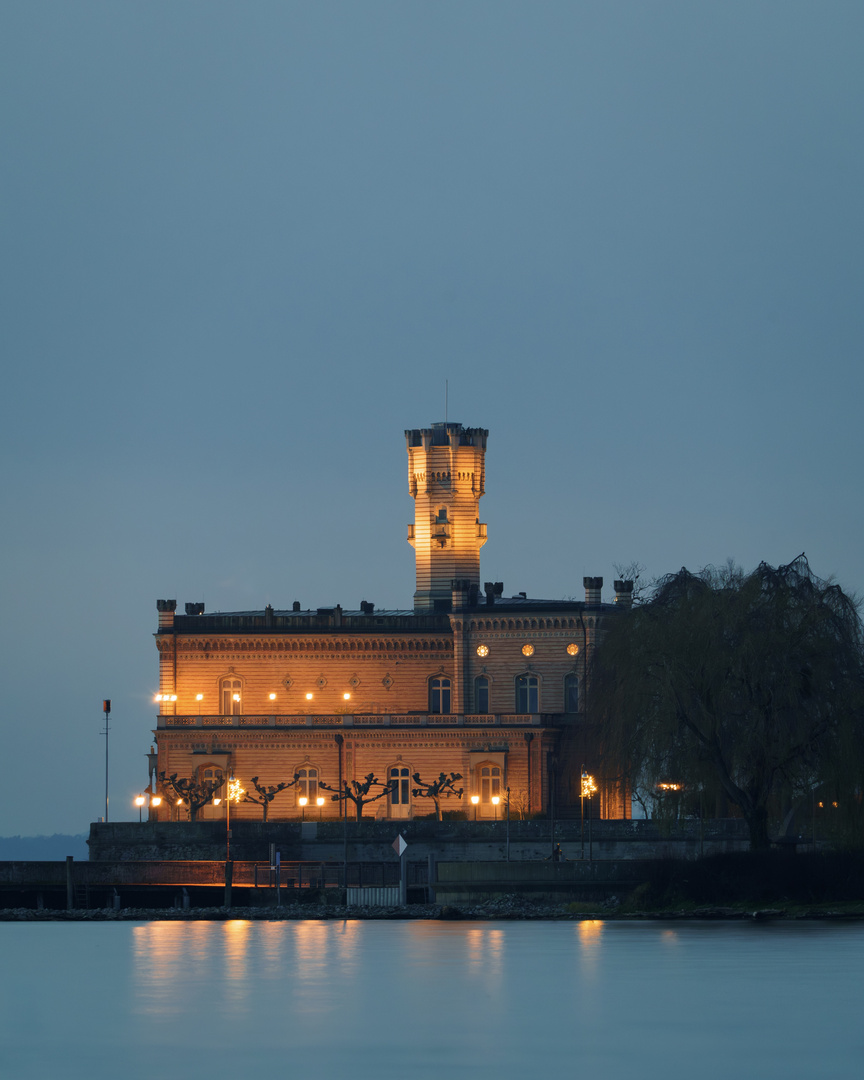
(399,845)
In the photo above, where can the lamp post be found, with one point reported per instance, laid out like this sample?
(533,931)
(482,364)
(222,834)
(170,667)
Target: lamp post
(235,794)
(148,799)
(106,708)
(507,789)
(587,790)
(319,803)
(474,800)
(582,815)
(303,800)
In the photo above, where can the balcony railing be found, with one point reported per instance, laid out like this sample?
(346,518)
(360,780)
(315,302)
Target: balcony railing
(331,720)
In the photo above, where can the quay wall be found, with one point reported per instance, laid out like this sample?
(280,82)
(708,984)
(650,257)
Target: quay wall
(371,841)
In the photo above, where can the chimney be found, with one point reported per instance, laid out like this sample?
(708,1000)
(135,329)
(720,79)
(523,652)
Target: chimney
(295,606)
(166,609)
(624,593)
(492,589)
(593,586)
(367,607)
(460,592)
(194,609)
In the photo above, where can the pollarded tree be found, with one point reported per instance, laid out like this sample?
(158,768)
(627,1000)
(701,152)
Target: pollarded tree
(749,684)
(191,793)
(442,788)
(266,793)
(357,791)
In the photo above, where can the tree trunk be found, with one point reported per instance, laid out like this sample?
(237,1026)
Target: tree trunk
(757,823)
(437,809)
(265,805)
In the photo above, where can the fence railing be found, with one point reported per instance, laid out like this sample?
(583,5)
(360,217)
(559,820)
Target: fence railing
(292,875)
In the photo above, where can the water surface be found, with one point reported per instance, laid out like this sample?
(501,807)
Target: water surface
(427,999)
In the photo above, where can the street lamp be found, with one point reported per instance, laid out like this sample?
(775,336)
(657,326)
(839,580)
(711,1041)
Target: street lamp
(587,790)
(474,800)
(142,800)
(319,803)
(507,789)
(495,800)
(235,794)
(303,800)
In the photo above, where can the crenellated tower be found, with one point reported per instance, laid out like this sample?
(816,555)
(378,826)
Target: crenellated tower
(446,477)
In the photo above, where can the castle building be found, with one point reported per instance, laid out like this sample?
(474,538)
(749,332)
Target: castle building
(467,681)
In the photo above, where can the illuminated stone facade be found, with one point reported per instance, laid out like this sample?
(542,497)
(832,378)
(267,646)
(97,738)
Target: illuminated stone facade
(469,681)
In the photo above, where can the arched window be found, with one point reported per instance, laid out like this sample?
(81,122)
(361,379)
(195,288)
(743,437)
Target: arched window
(527,694)
(490,783)
(481,694)
(439,695)
(307,785)
(571,693)
(232,699)
(213,810)
(399,782)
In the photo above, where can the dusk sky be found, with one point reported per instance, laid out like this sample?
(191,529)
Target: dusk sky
(245,244)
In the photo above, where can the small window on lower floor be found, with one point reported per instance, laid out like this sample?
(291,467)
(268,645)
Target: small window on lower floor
(307,785)
(490,782)
(400,794)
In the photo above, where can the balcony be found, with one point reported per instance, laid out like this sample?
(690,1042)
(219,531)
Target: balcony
(369,720)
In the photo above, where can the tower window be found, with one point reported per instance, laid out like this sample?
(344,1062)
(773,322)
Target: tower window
(481,694)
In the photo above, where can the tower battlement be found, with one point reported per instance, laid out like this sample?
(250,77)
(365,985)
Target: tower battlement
(446,435)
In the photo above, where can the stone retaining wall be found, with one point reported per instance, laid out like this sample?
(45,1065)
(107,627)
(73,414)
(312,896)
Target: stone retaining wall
(370,841)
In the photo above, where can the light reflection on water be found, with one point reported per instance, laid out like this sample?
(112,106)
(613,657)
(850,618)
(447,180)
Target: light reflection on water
(399,999)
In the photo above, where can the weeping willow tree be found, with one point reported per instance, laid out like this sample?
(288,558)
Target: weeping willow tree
(745,684)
